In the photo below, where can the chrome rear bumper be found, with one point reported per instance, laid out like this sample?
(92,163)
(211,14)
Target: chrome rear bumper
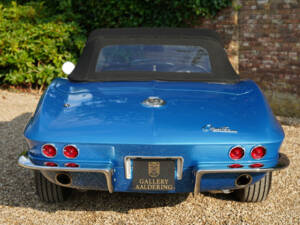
(25,162)
(283,162)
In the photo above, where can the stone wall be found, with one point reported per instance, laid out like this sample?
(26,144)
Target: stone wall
(262,38)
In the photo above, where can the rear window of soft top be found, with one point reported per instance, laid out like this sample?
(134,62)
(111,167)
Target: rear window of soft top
(156,58)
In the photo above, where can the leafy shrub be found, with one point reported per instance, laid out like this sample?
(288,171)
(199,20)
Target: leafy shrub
(36,37)
(34,44)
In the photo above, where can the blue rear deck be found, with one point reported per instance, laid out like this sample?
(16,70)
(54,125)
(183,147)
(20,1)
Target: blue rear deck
(107,122)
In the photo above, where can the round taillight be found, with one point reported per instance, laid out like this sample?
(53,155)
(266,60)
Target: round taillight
(70,151)
(235,166)
(256,165)
(71,165)
(49,151)
(236,153)
(52,164)
(258,152)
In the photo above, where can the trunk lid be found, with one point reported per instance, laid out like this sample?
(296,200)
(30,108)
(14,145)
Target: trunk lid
(194,113)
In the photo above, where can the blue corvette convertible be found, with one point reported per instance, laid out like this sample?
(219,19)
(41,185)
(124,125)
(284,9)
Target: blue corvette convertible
(153,111)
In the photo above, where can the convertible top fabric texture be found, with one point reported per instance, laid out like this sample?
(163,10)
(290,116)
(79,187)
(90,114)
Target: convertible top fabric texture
(222,70)
(146,32)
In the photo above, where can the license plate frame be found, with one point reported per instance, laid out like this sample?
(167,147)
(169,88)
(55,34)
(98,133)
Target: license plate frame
(153,175)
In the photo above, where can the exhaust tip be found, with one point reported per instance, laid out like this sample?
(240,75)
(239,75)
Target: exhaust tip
(63,179)
(243,180)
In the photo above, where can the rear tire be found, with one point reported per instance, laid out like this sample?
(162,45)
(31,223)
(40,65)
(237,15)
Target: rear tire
(48,191)
(256,192)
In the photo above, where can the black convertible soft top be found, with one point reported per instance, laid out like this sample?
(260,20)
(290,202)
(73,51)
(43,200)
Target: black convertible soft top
(222,70)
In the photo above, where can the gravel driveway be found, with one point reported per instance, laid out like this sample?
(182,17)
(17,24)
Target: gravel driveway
(20,205)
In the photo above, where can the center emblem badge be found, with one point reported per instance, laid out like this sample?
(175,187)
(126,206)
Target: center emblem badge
(153,102)
(153,169)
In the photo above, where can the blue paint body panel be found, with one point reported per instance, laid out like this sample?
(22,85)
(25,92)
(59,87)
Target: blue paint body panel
(107,121)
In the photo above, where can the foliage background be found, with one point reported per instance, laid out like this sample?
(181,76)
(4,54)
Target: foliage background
(37,37)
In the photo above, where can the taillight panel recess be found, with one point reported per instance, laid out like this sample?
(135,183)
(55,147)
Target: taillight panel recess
(49,150)
(70,151)
(236,153)
(258,152)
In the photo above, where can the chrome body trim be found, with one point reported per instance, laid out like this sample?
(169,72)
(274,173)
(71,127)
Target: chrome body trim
(224,129)
(154,102)
(25,162)
(128,164)
(283,162)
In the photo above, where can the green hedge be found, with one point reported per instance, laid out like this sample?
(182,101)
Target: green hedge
(36,37)
(93,14)
(34,44)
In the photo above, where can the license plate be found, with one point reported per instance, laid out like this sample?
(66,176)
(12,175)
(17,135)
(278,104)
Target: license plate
(153,175)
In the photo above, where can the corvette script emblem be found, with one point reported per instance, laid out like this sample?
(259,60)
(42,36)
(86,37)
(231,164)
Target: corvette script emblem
(153,169)
(210,128)
(153,102)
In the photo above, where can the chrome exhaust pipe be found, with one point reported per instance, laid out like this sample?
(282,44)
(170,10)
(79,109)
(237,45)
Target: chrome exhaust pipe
(243,180)
(63,179)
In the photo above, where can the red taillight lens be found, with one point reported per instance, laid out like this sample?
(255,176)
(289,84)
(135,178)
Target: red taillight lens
(256,165)
(71,165)
(235,166)
(49,151)
(258,152)
(50,164)
(70,151)
(236,153)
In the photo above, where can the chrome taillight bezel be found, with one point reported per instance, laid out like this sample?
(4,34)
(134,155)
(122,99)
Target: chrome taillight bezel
(237,146)
(72,146)
(50,157)
(258,147)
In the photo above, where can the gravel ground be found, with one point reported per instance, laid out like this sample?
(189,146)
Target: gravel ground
(20,205)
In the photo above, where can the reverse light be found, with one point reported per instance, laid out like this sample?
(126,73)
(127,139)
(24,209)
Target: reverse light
(52,164)
(258,152)
(71,165)
(70,151)
(235,166)
(49,150)
(236,153)
(256,165)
